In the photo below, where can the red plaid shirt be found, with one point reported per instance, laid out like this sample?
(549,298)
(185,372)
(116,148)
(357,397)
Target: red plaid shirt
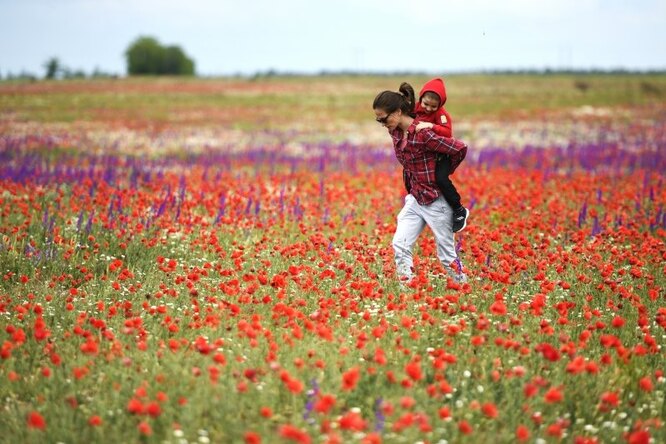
(417,153)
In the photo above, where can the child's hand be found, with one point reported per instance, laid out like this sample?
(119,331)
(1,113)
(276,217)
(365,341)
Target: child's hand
(423,125)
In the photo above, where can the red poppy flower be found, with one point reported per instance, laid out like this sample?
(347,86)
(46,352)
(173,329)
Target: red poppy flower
(490,410)
(295,434)
(145,429)
(553,395)
(135,406)
(465,427)
(522,433)
(353,421)
(36,421)
(350,378)
(252,438)
(444,412)
(646,384)
(413,370)
(324,403)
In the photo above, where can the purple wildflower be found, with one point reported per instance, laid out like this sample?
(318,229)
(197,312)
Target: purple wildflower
(582,215)
(380,419)
(309,404)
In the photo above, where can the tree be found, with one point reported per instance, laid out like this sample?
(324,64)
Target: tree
(147,56)
(144,56)
(176,62)
(53,67)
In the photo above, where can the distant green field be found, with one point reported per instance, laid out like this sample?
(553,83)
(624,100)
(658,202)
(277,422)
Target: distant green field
(274,102)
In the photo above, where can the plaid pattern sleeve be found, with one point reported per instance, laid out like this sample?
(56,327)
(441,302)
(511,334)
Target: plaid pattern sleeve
(456,149)
(417,152)
(444,145)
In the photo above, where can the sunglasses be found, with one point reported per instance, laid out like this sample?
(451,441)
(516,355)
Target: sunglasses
(383,120)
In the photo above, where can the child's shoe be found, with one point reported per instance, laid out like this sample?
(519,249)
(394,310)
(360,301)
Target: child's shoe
(460,219)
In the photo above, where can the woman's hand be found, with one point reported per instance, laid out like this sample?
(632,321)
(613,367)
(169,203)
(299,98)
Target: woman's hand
(423,125)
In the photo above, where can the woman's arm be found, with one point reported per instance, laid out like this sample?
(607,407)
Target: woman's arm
(445,145)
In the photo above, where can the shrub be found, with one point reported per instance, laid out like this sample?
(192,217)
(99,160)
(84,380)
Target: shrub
(146,56)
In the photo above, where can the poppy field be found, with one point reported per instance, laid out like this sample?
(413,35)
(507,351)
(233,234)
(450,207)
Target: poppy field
(210,261)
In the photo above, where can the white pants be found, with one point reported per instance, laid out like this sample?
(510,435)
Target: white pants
(412,219)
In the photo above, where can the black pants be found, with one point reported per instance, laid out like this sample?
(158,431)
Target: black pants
(449,192)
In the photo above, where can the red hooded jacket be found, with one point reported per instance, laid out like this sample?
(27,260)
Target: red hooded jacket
(440,118)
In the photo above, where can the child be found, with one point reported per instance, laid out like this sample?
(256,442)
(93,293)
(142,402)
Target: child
(430,113)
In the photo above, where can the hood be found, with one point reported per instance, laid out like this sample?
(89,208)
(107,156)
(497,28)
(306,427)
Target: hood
(436,86)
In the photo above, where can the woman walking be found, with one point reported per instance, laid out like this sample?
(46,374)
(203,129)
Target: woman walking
(424,205)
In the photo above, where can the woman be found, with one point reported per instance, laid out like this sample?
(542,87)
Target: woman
(424,205)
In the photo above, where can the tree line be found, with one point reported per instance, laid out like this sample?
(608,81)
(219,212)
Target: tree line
(147,56)
(144,56)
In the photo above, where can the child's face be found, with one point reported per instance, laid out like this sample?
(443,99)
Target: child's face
(429,104)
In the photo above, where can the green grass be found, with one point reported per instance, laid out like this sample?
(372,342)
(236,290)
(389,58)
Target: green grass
(278,102)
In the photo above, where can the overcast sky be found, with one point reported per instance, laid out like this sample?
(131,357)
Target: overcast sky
(308,36)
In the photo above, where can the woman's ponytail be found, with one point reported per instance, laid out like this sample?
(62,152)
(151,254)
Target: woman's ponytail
(408,93)
(391,101)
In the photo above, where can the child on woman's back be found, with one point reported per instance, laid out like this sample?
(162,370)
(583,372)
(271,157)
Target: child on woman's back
(430,113)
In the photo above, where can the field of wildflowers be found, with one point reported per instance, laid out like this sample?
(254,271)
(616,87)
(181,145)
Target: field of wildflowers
(176,271)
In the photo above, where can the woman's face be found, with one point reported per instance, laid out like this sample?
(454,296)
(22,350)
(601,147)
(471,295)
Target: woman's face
(389,120)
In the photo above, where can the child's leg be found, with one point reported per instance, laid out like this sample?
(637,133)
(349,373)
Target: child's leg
(449,192)
(405,180)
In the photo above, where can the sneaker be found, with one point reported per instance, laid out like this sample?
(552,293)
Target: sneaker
(460,219)
(457,277)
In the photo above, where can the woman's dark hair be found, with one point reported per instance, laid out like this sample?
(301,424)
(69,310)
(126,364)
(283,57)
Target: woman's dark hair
(391,101)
